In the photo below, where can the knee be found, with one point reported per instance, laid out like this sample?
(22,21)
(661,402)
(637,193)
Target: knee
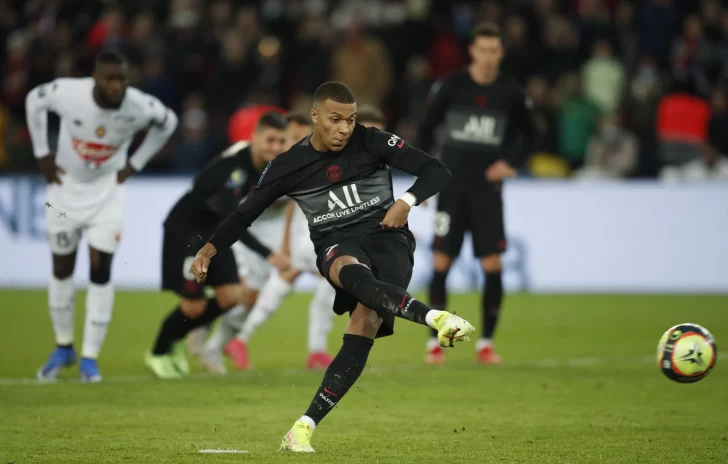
(441,262)
(192,308)
(62,267)
(100,267)
(491,264)
(364,321)
(339,264)
(229,295)
(248,296)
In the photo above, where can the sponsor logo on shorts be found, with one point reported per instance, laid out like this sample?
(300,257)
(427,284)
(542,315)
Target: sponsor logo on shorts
(331,252)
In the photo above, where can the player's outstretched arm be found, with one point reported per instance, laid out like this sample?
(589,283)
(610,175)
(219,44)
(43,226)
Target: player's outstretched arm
(38,102)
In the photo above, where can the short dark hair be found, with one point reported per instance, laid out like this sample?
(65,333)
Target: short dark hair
(271,119)
(110,57)
(369,113)
(336,91)
(486,29)
(299,118)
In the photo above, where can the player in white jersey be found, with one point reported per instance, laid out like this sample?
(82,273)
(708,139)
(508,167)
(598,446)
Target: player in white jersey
(296,243)
(99,117)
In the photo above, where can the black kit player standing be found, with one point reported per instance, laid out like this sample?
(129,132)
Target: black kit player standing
(216,192)
(484,112)
(340,178)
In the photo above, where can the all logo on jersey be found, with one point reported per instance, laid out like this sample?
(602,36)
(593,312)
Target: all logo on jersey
(333,173)
(100,131)
(478,129)
(343,202)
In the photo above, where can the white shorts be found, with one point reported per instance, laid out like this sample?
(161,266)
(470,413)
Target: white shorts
(303,255)
(96,208)
(251,265)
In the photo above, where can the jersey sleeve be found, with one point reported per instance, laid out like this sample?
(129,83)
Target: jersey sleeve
(38,102)
(438,101)
(273,184)
(162,124)
(432,174)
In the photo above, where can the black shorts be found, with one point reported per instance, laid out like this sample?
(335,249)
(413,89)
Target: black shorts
(178,252)
(390,256)
(479,210)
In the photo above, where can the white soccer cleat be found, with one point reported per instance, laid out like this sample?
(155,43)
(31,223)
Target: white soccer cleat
(196,340)
(298,439)
(211,360)
(451,328)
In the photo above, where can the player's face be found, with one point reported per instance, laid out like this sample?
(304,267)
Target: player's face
(112,81)
(375,125)
(295,132)
(487,53)
(334,123)
(267,143)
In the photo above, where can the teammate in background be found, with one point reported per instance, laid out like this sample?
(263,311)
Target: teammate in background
(99,116)
(217,190)
(340,178)
(297,244)
(484,111)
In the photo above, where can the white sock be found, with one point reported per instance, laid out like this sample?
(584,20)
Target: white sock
(61,306)
(320,316)
(269,299)
(483,343)
(99,304)
(430,317)
(308,421)
(227,328)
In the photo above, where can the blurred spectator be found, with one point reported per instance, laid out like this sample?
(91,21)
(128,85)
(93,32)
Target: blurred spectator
(363,64)
(562,48)
(612,152)
(578,120)
(692,54)
(710,166)
(521,58)
(718,125)
(603,77)
(682,122)
(195,146)
(656,25)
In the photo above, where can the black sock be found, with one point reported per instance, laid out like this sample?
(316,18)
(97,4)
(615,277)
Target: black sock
(438,293)
(359,281)
(492,299)
(340,375)
(177,325)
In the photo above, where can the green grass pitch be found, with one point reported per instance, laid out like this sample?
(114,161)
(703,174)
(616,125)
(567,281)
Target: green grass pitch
(579,384)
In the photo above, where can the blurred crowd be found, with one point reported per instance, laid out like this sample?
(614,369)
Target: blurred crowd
(619,88)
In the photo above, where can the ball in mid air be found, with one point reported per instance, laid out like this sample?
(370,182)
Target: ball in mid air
(686,353)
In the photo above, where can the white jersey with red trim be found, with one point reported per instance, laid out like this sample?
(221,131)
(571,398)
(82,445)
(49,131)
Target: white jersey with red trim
(93,141)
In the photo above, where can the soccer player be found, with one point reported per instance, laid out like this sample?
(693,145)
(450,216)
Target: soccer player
(99,116)
(484,112)
(217,190)
(339,176)
(298,245)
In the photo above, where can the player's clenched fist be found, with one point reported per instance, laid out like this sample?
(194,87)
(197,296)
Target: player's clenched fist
(397,215)
(202,262)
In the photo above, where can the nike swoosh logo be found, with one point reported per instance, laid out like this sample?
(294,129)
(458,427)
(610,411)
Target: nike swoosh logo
(329,392)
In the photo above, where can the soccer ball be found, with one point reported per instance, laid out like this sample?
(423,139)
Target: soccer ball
(686,353)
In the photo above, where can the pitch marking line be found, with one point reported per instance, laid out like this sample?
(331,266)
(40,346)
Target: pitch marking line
(222,451)
(536,363)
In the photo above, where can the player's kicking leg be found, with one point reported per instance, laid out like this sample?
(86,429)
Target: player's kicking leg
(379,302)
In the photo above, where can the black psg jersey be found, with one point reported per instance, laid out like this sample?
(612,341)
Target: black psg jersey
(482,123)
(342,194)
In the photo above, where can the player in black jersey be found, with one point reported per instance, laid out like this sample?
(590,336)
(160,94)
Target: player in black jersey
(216,192)
(484,113)
(340,178)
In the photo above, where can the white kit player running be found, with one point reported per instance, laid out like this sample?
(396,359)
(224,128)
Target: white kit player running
(99,117)
(296,243)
